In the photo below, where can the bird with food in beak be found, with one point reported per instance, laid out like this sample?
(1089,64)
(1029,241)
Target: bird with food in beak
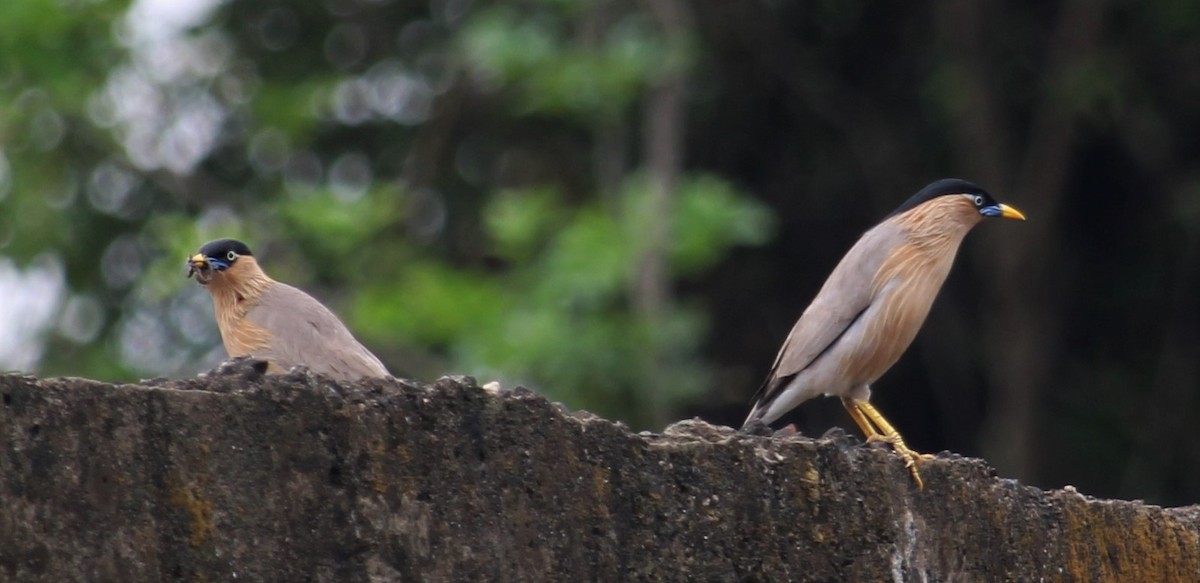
(272,321)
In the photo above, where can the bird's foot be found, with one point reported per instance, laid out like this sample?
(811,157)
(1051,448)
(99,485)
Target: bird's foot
(246,367)
(757,427)
(911,458)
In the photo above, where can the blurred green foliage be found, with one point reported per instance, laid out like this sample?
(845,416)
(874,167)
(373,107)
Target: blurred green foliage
(558,316)
(470,184)
(524,280)
(554,73)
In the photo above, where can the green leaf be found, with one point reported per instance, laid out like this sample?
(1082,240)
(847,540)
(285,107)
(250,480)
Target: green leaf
(520,220)
(711,218)
(430,303)
(590,261)
(340,226)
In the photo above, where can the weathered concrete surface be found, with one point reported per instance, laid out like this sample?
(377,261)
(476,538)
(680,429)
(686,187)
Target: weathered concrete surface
(294,478)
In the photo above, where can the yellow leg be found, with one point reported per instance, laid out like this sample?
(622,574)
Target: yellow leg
(876,428)
(863,423)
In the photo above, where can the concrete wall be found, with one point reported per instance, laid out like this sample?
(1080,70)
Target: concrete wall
(293,478)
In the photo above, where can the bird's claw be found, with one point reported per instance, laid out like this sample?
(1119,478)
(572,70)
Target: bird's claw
(911,458)
(912,469)
(246,367)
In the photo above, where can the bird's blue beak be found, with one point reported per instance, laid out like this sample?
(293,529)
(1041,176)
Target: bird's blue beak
(1002,210)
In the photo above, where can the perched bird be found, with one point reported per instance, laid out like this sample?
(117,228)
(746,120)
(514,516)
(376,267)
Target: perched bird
(872,305)
(273,321)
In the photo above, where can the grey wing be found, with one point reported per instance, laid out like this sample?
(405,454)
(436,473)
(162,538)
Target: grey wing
(846,294)
(304,332)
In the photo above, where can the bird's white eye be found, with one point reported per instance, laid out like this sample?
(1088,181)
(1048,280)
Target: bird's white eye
(231,256)
(978,200)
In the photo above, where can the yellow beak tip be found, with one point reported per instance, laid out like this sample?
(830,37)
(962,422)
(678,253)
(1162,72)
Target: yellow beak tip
(1009,212)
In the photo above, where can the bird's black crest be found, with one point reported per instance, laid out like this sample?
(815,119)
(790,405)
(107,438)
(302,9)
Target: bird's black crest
(222,247)
(941,188)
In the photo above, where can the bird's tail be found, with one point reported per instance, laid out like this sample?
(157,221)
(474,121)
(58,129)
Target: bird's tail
(756,413)
(762,402)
